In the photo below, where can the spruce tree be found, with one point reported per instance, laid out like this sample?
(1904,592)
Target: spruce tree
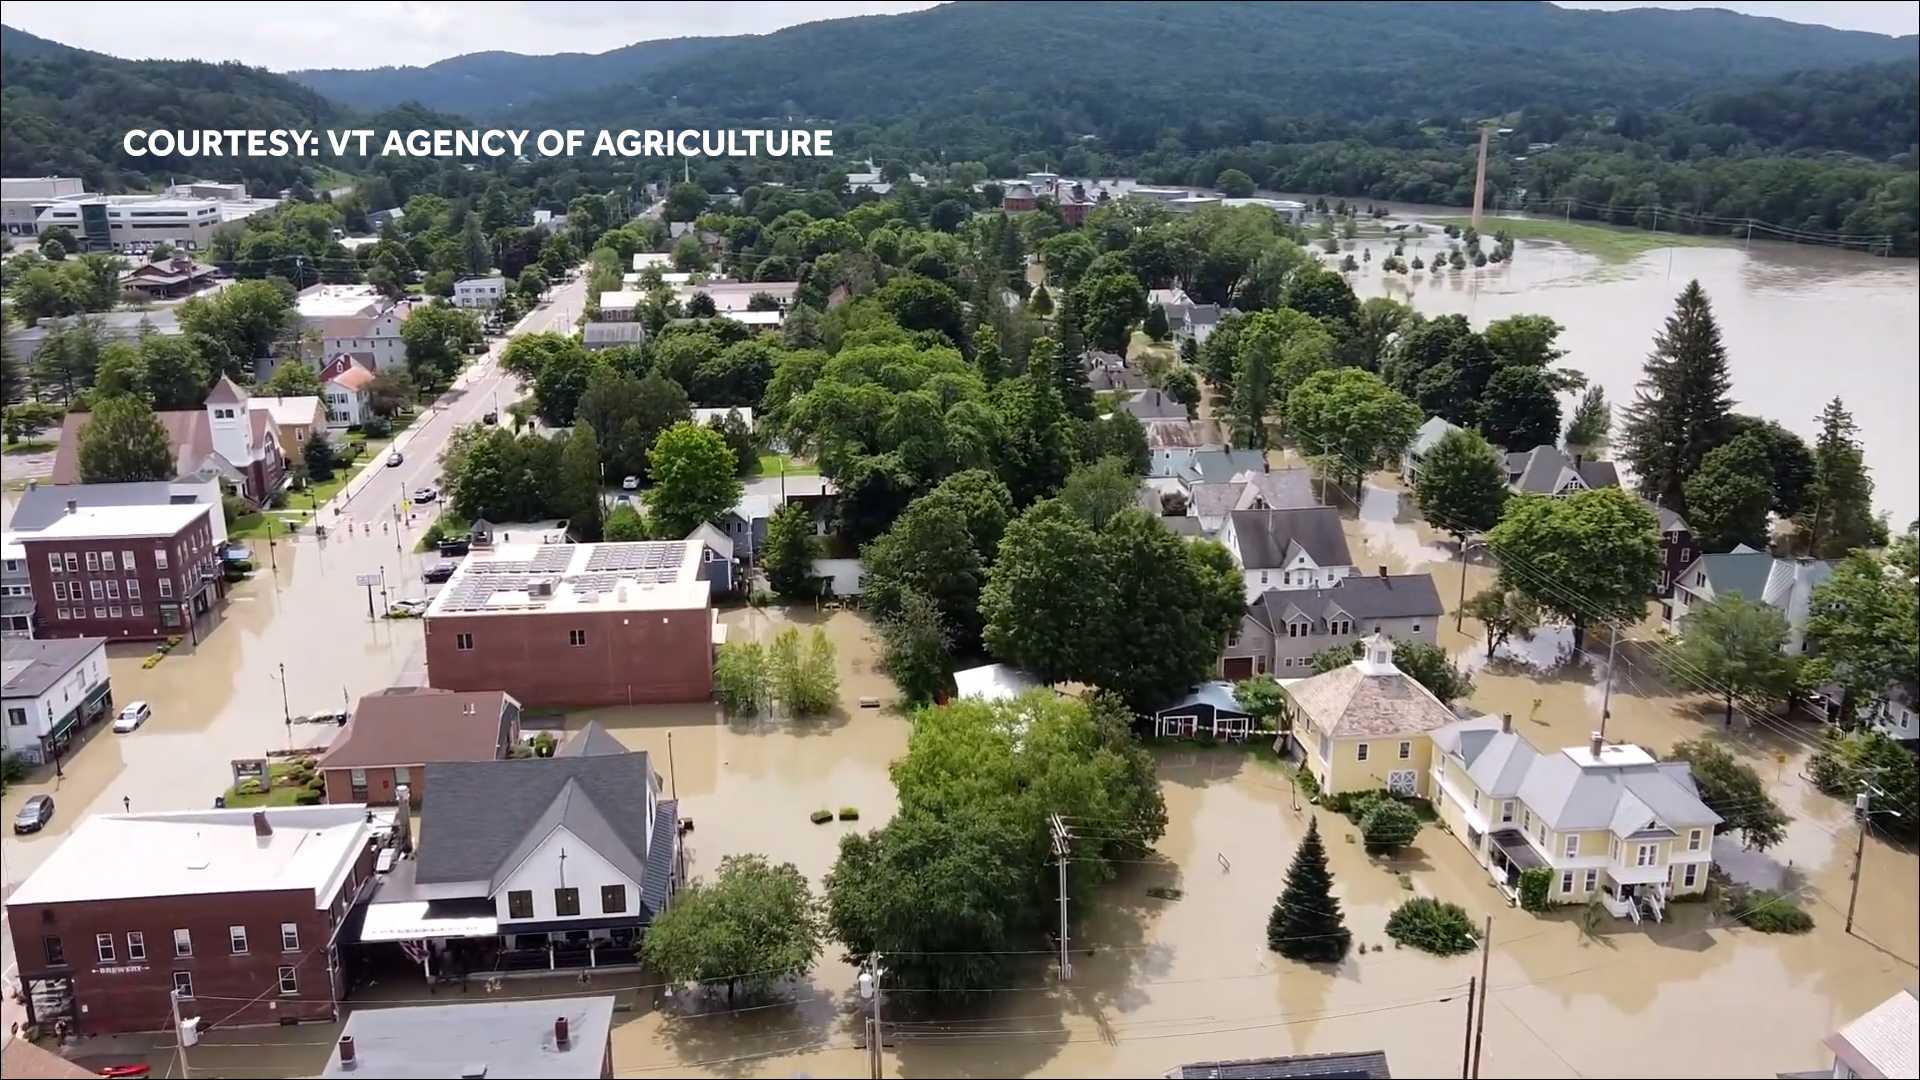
(1067,328)
(1681,410)
(1837,515)
(1306,923)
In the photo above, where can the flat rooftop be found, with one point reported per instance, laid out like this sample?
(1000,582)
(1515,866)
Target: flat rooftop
(328,301)
(200,852)
(101,522)
(492,1038)
(521,579)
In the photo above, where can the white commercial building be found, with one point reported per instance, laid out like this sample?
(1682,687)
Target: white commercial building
(134,222)
(50,688)
(479,292)
(22,199)
(355,319)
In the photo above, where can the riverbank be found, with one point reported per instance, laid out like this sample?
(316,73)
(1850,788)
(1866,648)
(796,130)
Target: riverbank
(1608,243)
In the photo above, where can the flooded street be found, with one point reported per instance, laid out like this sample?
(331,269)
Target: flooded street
(1801,324)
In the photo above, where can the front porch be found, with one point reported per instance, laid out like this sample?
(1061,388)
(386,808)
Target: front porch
(1635,892)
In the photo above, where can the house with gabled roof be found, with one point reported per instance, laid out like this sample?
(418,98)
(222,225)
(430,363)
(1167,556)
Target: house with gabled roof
(1425,439)
(1549,470)
(391,736)
(1606,818)
(1785,585)
(1298,548)
(1366,726)
(1283,628)
(233,437)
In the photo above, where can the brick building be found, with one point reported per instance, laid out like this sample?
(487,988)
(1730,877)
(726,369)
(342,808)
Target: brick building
(392,736)
(235,909)
(124,573)
(576,624)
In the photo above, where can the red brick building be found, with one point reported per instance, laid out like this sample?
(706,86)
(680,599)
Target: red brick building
(576,624)
(124,573)
(235,909)
(391,737)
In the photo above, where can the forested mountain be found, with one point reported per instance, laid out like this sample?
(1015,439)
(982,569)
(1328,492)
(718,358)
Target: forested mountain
(66,110)
(489,83)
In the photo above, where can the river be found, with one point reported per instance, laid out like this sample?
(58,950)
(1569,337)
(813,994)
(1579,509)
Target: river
(1801,324)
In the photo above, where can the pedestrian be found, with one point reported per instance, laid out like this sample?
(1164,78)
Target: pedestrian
(126,803)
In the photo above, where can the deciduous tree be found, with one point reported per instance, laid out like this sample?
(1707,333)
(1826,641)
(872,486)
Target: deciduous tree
(1590,556)
(1351,420)
(1734,645)
(1462,485)
(1727,498)
(1733,790)
(123,441)
(752,925)
(694,479)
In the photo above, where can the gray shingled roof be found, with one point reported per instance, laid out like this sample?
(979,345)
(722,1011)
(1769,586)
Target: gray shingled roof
(44,504)
(1267,538)
(1539,470)
(1738,571)
(484,817)
(31,666)
(1104,378)
(1357,1065)
(1154,405)
(1397,596)
(1349,701)
(590,741)
(1620,798)
(1215,500)
(1281,489)
(1430,433)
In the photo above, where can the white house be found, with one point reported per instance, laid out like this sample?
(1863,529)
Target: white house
(52,686)
(1880,1043)
(993,682)
(355,319)
(1424,440)
(1785,585)
(479,292)
(577,847)
(343,389)
(1299,548)
(644,259)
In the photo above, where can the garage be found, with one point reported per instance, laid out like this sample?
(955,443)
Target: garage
(1235,668)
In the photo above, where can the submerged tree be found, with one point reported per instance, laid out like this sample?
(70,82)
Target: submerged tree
(1306,923)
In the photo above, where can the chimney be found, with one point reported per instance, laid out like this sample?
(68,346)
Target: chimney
(560,1032)
(1506,723)
(1597,744)
(1577,455)
(261,826)
(346,1052)
(1383,573)
(33,485)
(73,506)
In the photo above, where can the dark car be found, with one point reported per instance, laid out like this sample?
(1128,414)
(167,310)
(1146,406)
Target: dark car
(490,417)
(34,814)
(454,548)
(439,571)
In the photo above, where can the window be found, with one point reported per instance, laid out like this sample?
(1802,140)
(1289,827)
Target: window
(1406,750)
(93,562)
(114,611)
(1693,840)
(1644,857)
(1416,628)
(402,775)
(1342,627)
(183,983)
(166,588)
(137,611)
(73,563)
(17,717)
(182,943)
(1360,752)
(357,780)
(1566,883)
(613,899)
(113,589)
(133,589)
(520,904)
(1506,812)
(62,612)
(160,558)
(53,561)
(237,940)
(289,937)
(59,590)
(56,952)
(1573,846)
(1691,874)
(576,638)
(106,561)
(103,944)
(566,901)
(169,616)
(1593,878)
(288,984)
(136,945)
(463,642)
(94,591)
(100,612)
(126,561)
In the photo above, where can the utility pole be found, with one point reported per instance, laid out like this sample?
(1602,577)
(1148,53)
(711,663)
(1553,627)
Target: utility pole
(1860,811)
(179,1032)
(1466,1052)
(1460,608)
(1480,175)
(286,710)
(1606,695)
(1062,852)
(1486,997)
(870,989)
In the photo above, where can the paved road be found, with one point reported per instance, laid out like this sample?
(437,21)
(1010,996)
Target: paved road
(483,387)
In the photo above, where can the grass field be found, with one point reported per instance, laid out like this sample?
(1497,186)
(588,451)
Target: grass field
(31,446)
(770,466)
(283,792)
(1609,243)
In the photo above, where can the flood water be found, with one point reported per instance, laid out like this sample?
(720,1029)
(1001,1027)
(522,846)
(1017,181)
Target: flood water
(1801,324)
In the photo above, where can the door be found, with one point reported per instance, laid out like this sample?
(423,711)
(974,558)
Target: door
(1400,782)
(1236,667)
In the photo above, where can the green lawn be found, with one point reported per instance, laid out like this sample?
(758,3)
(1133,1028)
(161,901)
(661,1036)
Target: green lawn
(283,792)
(31,446)
(770,466)
(1608,243)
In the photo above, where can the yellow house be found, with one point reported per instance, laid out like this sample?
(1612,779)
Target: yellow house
(1607,819)
(1366,726)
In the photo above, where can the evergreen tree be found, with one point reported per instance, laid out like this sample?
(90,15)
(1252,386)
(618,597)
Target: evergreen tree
(1067,328)
(1156,325)
(1681,410)
(578,490)
(1306,923)
(1042,302)
(1838,513)
(1590,429)
(986,353)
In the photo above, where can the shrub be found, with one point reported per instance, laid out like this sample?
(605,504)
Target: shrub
(1309,786)
(377,427)
(820,817)
(1388,826)
(543,744)
(307,797)
(248,786)
(849,813)
(317,783)
(1433,926)
(1766,911)
(1535,885)
(760,598)
(13,768)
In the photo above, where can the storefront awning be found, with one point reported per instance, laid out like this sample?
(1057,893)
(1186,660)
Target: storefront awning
(413,920)
(1515,847)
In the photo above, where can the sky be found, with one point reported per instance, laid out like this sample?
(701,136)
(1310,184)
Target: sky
(355,34)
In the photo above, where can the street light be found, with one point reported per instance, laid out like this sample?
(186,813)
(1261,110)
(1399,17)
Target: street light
(286,710)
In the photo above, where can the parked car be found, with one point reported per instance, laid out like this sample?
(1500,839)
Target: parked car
(455,547)
(332,716)
(439,571)
(394,459)
(237,553)
(425,493)
(631,483)
(131,717)
(34,814)
(408,608)
(490,417)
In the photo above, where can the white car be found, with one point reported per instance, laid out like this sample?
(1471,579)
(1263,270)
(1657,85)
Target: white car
(394,459)
(631,483)
(425,493)
(131,717)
